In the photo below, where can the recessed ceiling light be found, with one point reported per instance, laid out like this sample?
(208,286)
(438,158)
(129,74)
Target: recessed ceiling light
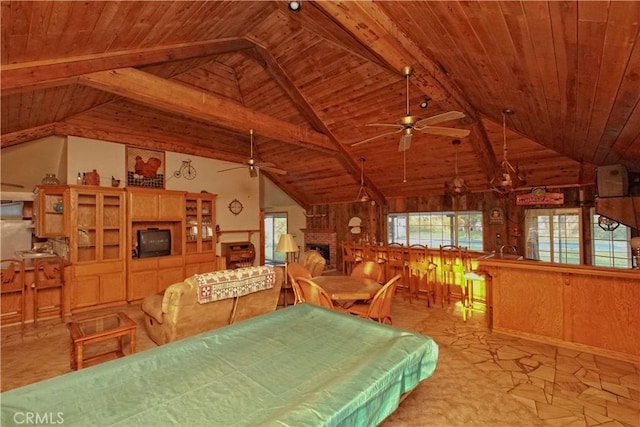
(295,6)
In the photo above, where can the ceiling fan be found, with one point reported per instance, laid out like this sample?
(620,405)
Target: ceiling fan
(408,124)
(253,165)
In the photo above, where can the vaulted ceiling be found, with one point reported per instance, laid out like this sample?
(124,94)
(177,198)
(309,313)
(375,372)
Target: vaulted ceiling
(195,77)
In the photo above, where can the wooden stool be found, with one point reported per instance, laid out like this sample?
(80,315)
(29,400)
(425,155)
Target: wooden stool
(12,282)
(48,273)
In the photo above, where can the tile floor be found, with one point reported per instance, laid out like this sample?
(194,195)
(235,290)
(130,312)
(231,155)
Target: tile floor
(560,386)
(482,378)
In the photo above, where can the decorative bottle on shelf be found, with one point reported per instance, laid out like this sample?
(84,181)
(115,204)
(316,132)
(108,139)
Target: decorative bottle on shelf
(79,179)
(50,179)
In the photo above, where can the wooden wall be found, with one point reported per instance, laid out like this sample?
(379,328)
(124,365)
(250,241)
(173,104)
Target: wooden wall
(374,217)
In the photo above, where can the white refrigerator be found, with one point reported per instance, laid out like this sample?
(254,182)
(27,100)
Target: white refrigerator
(15,235)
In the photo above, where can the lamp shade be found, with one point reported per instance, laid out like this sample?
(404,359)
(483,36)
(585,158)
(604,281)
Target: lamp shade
(635,242)
(287,244)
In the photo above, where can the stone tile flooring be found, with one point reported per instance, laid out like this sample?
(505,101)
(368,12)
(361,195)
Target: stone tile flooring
(482,378)
(560,386)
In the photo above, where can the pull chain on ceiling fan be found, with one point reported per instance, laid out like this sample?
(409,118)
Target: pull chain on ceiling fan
(408,124)
(254,166)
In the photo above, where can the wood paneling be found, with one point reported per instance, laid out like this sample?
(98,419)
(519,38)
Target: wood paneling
(583,307)
(568,70)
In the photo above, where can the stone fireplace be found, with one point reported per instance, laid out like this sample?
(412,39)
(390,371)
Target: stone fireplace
(325,242)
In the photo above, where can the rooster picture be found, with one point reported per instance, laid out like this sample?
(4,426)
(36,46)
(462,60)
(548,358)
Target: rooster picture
(148,169)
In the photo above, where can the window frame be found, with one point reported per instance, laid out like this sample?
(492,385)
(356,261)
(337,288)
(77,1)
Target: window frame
(432,229)
(272,236)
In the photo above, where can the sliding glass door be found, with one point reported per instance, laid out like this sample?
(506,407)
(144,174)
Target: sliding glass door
(275,224)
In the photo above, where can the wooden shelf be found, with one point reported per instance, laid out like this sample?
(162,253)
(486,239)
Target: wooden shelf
(249,232)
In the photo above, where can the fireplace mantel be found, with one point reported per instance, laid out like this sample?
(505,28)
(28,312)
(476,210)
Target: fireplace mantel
(318,230)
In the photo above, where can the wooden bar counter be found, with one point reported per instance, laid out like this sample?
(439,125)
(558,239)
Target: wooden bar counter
(587,308)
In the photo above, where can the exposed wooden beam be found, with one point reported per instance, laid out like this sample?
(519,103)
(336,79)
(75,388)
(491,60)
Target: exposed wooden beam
(280,76)
(26,135)
(60,71)
(176,98)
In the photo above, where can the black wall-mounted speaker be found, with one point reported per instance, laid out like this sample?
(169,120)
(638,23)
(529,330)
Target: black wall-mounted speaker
(612,181)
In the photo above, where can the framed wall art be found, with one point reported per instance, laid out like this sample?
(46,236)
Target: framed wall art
(145,168)
(496,216)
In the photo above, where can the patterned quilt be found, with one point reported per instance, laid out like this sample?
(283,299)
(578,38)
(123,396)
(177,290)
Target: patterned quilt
(223,284)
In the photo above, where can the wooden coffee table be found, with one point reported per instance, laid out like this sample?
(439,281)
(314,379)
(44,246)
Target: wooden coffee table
(96,329)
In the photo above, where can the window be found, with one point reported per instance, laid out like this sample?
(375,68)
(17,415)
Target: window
(610,248)
(275,224)
(553,235)
(437,228)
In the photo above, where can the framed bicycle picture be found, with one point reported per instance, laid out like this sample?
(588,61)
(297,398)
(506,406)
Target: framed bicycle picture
(145,168)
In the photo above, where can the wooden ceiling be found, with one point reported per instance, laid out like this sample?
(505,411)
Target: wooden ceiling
(195,77)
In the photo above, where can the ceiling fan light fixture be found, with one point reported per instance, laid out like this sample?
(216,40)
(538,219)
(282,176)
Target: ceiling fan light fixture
(457,187)
(295,6)
(362,196)
(408,123)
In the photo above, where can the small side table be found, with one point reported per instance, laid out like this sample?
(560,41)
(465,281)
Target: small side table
(96,329)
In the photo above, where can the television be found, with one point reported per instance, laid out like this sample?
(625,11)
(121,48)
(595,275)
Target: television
(154,242)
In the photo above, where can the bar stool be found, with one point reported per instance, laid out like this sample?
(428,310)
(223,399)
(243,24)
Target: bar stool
(12,282)
(452,269)
(398,263)
(349,258)
(421,271)
(468,301)
(48,273)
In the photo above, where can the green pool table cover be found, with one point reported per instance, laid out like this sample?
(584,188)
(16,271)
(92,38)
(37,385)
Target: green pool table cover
(299,366)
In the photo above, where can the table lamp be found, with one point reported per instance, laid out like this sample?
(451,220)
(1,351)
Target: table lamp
(635,252)
(287,245)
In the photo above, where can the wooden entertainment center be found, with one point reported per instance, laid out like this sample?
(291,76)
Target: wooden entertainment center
(101,225)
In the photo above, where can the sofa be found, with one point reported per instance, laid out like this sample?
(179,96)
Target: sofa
(177,313)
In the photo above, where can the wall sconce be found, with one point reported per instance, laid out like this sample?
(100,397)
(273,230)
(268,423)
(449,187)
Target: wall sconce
(295,6)
(355,225)
(635,252)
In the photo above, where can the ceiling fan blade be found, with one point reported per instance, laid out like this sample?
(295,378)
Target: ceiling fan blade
(393,125)
(405,142)
(376,137)
(452,132)
(439,118)
(273,170)
(9,184)
(264,165)
(233,168)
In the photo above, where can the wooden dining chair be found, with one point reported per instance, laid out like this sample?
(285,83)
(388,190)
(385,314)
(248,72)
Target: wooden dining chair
(295,270)
(313,294)
(369,270)
(379,309)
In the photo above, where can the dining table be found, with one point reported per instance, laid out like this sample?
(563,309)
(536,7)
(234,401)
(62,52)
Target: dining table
(348,288)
